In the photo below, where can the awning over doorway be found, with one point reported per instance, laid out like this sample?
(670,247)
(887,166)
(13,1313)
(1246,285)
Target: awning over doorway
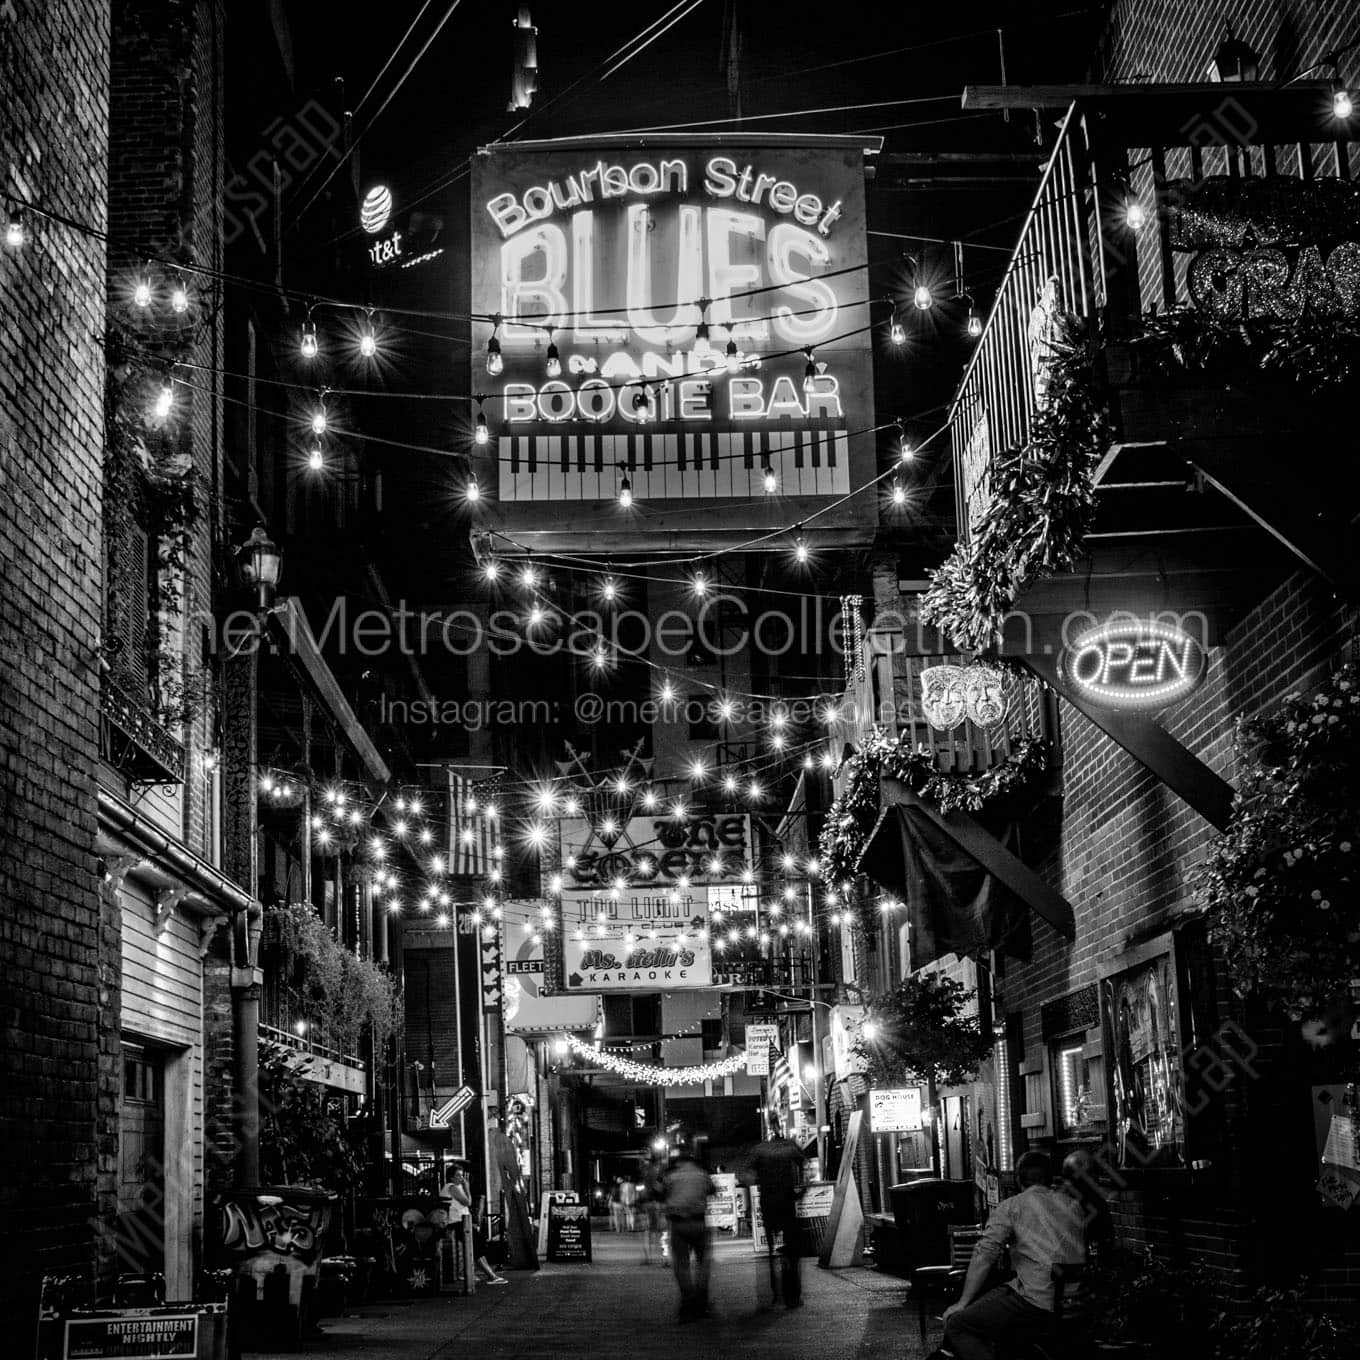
(964,890)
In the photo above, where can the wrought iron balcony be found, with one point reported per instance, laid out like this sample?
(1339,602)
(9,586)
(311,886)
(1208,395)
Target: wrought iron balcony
(1222,204)
(133,740)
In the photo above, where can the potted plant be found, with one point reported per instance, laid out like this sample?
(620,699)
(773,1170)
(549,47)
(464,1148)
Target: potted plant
(1281,1326)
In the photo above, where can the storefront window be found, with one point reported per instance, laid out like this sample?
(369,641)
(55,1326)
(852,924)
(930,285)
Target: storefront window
(1142,1041)
(1073,1074)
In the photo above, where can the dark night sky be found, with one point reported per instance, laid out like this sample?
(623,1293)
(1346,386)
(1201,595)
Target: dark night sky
(794,55)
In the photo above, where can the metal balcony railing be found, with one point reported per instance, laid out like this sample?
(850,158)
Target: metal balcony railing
(133,740)
(1078,254)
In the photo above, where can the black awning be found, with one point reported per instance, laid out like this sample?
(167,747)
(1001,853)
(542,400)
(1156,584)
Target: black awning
(954,904)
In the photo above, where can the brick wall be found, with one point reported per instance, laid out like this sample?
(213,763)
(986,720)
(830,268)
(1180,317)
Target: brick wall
(1124,856)
(165,204)
(1174,40)
(54,74)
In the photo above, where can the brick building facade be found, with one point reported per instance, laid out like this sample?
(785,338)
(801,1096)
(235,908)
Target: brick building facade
(54,66)
(1114,837)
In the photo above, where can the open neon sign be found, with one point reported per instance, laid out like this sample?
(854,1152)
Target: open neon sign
(1136,664)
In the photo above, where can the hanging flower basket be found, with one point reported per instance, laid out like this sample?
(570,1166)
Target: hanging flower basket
(1279,885)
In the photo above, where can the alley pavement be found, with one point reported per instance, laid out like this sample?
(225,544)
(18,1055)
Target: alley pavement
(616,1306)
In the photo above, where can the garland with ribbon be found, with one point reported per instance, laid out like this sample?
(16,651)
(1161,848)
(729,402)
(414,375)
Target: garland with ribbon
(853,815)
(1279,885)
(1041,503)
(651,1075)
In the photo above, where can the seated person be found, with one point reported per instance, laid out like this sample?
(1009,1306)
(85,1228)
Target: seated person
(1043,1228)
(1079,1174)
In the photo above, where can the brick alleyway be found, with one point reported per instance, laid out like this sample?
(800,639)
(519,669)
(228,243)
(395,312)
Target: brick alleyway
(616,1307)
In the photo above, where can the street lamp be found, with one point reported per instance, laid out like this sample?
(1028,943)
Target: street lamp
(261,562)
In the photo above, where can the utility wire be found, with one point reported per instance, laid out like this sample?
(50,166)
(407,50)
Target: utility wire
(368,127)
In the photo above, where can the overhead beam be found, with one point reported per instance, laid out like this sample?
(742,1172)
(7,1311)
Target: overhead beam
(1252,480)
(1149,743)
(304,650)
(980,845)
(1060,96)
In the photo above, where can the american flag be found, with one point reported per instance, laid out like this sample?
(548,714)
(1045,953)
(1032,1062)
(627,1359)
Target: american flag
(472,832)
(781,1074)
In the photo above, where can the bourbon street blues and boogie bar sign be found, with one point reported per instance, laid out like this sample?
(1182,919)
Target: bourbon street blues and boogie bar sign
(635,899)
(621,253)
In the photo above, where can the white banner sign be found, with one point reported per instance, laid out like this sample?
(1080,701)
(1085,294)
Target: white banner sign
(527,1010)
(759,1038)
(845,1034)
(636,941)
(897,1110)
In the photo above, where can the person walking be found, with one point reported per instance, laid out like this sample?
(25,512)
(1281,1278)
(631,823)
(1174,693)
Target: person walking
(685,1189)
(1042,1227)
(457,1199)
(649,1199)
(616,1205)
(628,1198)
(777,1170)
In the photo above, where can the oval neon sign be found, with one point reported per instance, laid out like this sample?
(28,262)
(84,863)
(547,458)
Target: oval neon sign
(1134,664)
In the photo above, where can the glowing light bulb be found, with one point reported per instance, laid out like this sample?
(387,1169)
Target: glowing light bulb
(307,345)
(165,399)
(14,232)
(755,791)
(316,459)
(699,586)
(726,709)
(732,357)
(528,578)
(368,342)
(179,299)
(625,494)
(771,481)
(899,493)
(641,406)
(480,433)
(974,323)
(667,693)
(141,294)
(697,768)
(922,298)
(552,365)
(897,332)
(1135,215)
(491,570)
(495,360)
(730,784)
(472,491)
(905,452)
(319,420)
(800,549)
(1342,104)
(535,616)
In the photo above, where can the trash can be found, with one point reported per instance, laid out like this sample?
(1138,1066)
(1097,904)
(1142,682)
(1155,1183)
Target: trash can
(272,1238)
(923,1211)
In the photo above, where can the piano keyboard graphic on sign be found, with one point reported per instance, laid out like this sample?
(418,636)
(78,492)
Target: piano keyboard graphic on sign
(700,466)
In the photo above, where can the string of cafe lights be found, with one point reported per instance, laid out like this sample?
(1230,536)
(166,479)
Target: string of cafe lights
(145,293)
(344,813)
(650,1074)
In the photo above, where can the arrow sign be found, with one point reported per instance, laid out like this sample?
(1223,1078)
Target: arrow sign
(458,1101)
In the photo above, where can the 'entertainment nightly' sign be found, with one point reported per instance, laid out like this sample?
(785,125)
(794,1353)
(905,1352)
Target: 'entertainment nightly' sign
(621,255)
